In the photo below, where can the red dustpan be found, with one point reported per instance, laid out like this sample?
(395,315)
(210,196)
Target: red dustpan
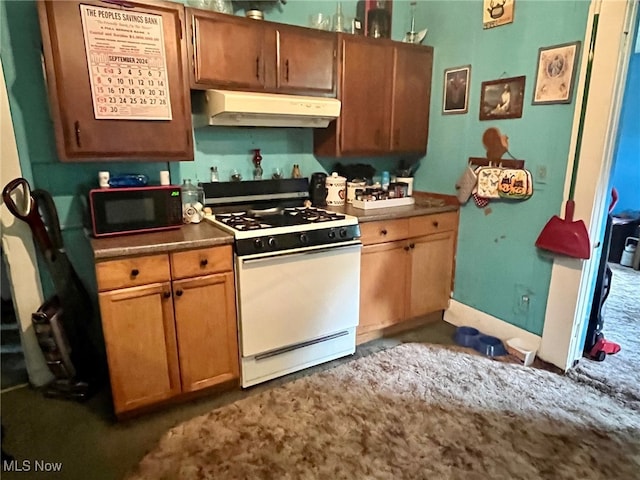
(569,237)
(566,237)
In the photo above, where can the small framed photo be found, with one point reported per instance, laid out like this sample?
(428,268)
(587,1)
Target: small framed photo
(497,12)
(556,71)
(456,90)
(502,98)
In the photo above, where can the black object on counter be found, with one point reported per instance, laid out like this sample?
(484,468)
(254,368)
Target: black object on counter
(318,189)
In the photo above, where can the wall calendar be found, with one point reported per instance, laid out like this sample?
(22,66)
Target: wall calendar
(127,64)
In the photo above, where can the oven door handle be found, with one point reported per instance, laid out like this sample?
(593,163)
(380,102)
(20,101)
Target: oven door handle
(356,244)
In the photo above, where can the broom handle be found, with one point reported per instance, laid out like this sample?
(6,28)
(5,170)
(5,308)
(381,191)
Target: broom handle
(585,97)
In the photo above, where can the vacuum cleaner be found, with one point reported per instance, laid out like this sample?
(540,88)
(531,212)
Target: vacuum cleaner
(62,323)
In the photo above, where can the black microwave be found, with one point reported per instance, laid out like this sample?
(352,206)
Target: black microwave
(119,211)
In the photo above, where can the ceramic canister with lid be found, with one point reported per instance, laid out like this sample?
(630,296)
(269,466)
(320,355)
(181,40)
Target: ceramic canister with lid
(336,190)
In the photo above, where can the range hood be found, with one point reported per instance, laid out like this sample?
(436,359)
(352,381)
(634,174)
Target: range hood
(234,108)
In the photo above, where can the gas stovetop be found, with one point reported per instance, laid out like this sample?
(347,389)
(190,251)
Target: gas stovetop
(274,218)
(290,228)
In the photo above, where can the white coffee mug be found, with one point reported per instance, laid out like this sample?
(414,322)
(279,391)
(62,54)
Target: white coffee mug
(336,190)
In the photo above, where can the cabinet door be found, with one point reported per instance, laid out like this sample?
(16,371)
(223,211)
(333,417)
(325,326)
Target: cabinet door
(431,268)
(79,135)
(383,281)
(306,61)
(411,98)
(141,347)
(228,52)
(365,96)
(206,328)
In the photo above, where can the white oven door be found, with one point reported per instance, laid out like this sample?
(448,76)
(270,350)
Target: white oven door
(287,299)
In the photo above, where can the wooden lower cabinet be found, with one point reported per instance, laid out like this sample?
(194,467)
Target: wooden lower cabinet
(431,267)
(171,337)
(141,347)
(383,280)
(205,315)
(402,279)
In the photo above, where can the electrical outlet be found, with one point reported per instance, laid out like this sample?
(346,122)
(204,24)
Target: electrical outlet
(541,174)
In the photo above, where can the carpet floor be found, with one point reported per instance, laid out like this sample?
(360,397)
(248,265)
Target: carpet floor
(618,375)
(414,411)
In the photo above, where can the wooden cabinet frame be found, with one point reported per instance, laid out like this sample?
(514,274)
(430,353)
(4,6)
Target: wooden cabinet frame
(172,337)
(231,52)
(407,270)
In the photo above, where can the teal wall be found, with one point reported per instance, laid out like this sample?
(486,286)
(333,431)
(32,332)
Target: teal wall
(496,261)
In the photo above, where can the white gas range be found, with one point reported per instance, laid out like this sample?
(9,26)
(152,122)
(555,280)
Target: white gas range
(297,275)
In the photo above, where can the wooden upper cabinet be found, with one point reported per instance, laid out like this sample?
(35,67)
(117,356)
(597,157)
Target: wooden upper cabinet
(231,52)
(306,61)
(79,135)
(365,96)
(411,98)
(227,51)
(385,90)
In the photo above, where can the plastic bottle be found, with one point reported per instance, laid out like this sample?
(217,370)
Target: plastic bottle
(385,180)
(214,174)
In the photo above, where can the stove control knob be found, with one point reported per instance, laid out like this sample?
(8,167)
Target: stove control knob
(343,232)
(332,234)
(271,242)
(304,239)
(258,243)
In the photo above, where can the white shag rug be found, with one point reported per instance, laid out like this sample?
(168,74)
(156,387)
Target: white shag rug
(618,375)
(410,412)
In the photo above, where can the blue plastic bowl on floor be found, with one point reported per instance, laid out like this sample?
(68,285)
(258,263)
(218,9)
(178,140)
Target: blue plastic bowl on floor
(490,346)
(466,336)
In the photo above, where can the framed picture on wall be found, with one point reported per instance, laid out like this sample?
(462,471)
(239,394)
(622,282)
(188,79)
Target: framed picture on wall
(497,12)
(456,90)
(555,75)
(502,98)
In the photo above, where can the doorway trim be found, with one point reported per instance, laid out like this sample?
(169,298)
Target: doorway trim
(571,285)
(19,251)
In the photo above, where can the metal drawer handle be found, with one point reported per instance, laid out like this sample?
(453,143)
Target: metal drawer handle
(383,231)
(412,246)
(179,293)
(406,248)
(258,68)
(135,272)
(204,262)
(166,294)
(435,224)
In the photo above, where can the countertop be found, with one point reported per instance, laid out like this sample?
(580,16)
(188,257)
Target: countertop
(426,204)
(203,234)
(194,235)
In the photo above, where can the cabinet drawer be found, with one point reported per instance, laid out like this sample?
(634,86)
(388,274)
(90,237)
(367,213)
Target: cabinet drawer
(204,261)
(428,224)
(131,272)
(385,231)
